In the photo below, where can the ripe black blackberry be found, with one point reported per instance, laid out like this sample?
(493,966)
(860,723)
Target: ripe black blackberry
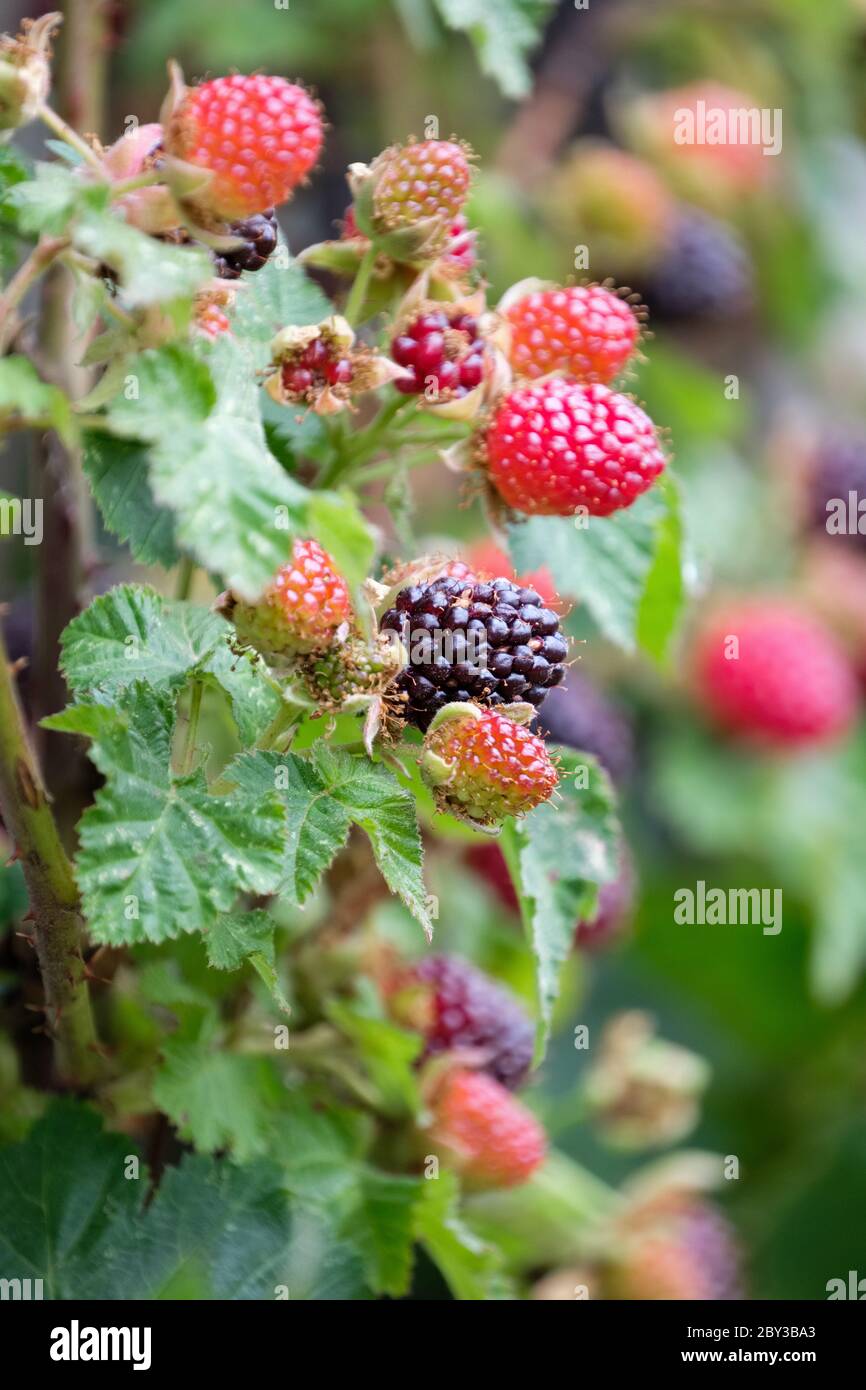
(260,235)
(703,272)
(490,642)
(469,1010)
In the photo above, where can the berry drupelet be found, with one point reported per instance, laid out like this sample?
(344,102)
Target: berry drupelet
(492,643)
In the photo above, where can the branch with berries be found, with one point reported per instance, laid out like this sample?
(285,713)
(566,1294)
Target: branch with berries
(308,688)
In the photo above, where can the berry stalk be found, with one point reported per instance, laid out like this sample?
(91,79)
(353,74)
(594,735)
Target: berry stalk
(53,892)
(358,292)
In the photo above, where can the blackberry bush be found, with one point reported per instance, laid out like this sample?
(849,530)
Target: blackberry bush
(301,708)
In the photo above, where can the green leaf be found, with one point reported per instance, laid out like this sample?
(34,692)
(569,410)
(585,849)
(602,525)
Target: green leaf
(610,562)
(383,1225)
(663,594)
(159,854)
(557,856)
(235,508)
(49,201)
(25,397)
(13,169)
(133,634)
(338,524)
(149,271)
(71,1216)
(117,470)
(323,795)
(217,1099)
(388,1053)
(469,1267)
(503,35)
(277,296)
(242,936)
(169,390)
(317,1150)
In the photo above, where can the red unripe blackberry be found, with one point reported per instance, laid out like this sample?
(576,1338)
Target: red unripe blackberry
(259,136)
(684,1249)
(484,766)
(489,1136)
(556,446)
(260,237)
(767,669)
(582,330)
(442,350)
(427,179)
(301,609)
(491,643)
(469,1010)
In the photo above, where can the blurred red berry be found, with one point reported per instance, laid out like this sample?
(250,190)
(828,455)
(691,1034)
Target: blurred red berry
(489,1136)
(764,667)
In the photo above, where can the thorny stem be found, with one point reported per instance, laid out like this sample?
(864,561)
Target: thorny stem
(360,285)
(53,893)
(26,276)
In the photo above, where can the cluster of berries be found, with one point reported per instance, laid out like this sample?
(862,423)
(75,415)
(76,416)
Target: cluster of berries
(483,764)
(478,1045)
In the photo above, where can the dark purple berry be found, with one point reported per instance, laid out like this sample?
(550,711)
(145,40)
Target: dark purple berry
(260,236)
(490,653)
(469,1010)
(704,271)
